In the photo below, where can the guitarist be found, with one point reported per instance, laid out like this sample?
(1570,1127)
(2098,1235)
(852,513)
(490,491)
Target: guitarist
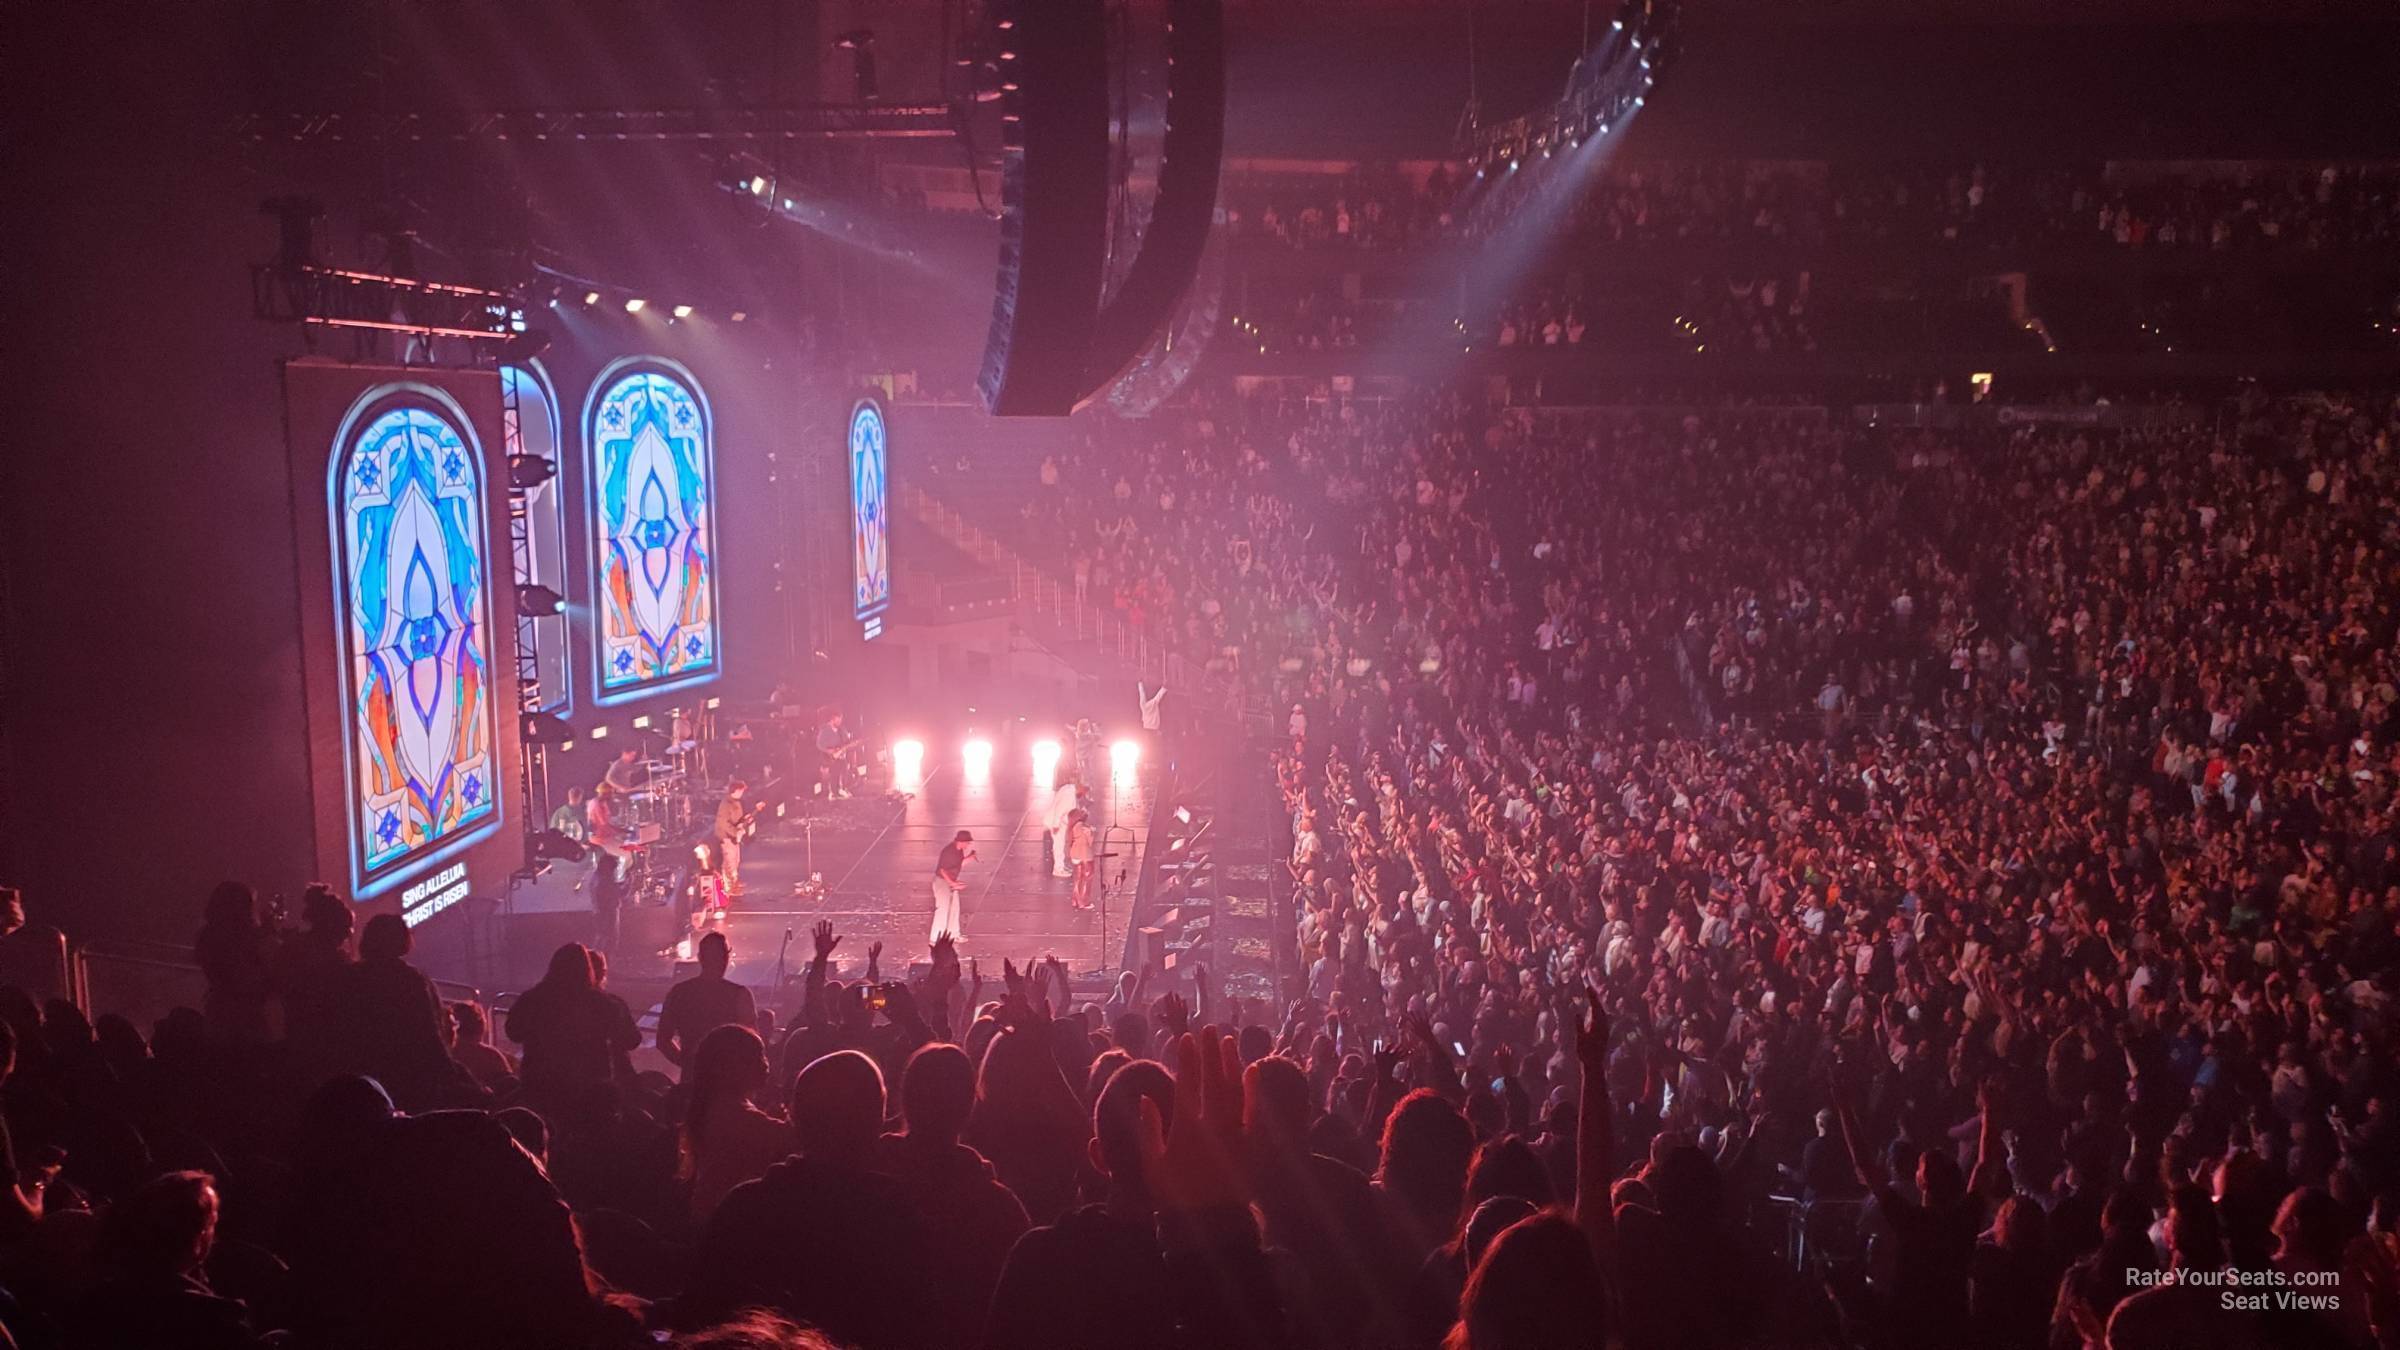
(735,821)
(833,752)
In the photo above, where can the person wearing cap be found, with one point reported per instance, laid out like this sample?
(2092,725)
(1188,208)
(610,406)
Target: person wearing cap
(948,889)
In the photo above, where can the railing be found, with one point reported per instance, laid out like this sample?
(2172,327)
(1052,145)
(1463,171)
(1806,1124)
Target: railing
(145,981)
(35,959)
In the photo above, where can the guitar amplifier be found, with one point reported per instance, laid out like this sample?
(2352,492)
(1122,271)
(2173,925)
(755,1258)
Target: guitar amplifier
(648,832)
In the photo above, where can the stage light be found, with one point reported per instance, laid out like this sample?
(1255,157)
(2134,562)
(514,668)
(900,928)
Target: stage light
(634,306)
(541,728)
(683,311)
(1183,815)
(599,733)
(527,472)
(737,316)
(978,756)
(591,297)
(1045,758)
(758,186)
(1124,755)
(642,723)
(537,601)
(908,761)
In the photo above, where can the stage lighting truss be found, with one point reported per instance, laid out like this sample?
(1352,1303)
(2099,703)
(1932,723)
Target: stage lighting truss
(337,297)
(1607,84)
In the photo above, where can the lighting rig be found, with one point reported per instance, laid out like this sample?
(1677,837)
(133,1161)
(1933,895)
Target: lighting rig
(1606,86)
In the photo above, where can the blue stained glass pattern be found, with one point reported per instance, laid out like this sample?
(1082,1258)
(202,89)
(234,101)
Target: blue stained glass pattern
(870,548)
(652,463)
(416,605)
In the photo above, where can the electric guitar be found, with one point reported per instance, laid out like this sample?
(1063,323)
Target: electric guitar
(742,829)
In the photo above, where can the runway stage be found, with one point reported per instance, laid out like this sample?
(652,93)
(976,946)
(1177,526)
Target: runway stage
(876,855)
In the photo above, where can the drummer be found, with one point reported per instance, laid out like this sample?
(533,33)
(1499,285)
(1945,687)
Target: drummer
(628,773)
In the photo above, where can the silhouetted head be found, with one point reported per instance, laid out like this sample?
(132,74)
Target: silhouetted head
(1506,1165)
(1275,1097)
(327,916)
(385,939)
(837,1105)
(164,1229)
(570,968)
(1117,1118)
(937,1090)
(232,905)
(1427,1145)
(1535,1289)
(715,954)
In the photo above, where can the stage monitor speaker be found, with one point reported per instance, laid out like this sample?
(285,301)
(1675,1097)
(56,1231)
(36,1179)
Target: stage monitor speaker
(1054,205)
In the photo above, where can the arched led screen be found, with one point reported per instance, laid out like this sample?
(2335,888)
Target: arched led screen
(870,529)
(654,567)
(413,578)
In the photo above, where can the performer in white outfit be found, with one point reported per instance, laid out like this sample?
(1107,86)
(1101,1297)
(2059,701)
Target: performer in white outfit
(948,889)
(1054,824)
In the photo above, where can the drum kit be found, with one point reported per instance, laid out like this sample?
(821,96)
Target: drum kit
(673,796)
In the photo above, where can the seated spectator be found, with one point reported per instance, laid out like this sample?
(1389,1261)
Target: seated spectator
(153,1248)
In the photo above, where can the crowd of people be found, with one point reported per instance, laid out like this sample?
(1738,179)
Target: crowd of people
(1645,202)
(2018,802)
(1756,880)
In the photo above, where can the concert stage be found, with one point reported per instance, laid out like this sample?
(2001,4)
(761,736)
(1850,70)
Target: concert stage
(876,855)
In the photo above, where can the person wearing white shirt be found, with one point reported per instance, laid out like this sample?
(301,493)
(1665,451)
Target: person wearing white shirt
(1054,824)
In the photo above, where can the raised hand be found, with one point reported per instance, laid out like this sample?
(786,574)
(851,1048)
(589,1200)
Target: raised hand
(1191,1167)
(945,950)
(874,951)
(1172,1013)
(826,939)
(1592,1033)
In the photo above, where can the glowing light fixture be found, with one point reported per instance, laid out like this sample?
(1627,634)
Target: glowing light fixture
(1124,755)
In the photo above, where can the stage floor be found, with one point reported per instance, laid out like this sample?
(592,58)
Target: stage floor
(876,853)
